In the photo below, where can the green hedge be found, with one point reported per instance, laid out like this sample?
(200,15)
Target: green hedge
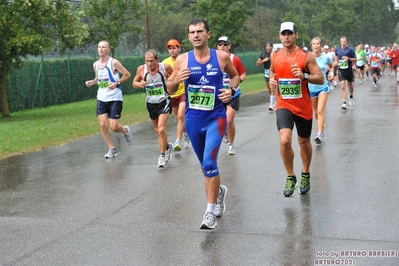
(46,82)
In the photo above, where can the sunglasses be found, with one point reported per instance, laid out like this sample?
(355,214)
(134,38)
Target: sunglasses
(223,44)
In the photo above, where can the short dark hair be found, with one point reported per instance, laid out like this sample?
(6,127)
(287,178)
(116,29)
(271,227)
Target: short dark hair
(198,21)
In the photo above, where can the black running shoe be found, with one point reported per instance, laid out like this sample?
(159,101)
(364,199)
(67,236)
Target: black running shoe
(290,186)
(304,188)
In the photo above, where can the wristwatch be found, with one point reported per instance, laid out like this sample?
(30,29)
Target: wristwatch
(233,91)
(305,76)
(118,82)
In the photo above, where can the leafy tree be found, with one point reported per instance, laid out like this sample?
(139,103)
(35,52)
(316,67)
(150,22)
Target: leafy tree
(226,18)
(361,21)
(166,23)
(269,24)
(110,19)
(30,27)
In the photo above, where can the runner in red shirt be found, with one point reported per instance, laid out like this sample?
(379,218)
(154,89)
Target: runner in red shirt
(395,60)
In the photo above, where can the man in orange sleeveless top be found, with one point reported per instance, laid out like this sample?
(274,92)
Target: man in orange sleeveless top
(291,70)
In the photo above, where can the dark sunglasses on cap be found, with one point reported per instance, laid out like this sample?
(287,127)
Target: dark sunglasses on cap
(223,43)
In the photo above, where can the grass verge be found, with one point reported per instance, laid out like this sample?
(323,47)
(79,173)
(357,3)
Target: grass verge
(36,129)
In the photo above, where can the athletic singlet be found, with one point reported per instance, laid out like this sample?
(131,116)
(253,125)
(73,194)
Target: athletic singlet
(156,88)
(374,63)
(395,57)
(292,93)
(202,88)
(388,55)
(105,76)
(180,89)
(266,65)
(322,61)
(226,81)
(360,58)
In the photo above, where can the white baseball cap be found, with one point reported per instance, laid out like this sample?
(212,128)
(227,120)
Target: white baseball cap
(288,26)
(326,47)
(224,39)
(366,46)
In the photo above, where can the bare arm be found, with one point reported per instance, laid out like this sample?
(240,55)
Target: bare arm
(260,61)
(272,74)
(138,81)
(240,69)
(227,66)
(316,76)
(122,70)
(94,81)
(168,70)
(243,76)
(330,75)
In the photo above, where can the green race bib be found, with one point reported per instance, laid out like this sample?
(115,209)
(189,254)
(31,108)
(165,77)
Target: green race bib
(103,83)
(290,88)
(201,97)
(343,64)
(155,90)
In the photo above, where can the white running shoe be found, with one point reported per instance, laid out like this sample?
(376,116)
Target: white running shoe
(111,153)
(220,207)
(161,161)
(209,221)
(318,138)
(128,136)
(343,107)
(231,150)
(186,140)
(168,152)
(225,139)
(177,146)
(351,102)
(270,108)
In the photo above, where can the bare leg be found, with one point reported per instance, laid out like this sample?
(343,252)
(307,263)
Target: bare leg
(286,151)
(103,120)
(160,127)
(231,127)
(212,185)
(321,104)
(306,151)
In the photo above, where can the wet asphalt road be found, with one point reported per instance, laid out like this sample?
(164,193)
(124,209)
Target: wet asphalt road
(69,206)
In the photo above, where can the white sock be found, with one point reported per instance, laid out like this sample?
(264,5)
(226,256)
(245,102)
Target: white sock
(272,100)
(210,207)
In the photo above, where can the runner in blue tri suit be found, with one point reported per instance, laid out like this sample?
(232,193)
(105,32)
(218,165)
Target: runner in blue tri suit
(202,72)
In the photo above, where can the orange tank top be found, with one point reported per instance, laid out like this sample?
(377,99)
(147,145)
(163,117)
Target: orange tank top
(292,93)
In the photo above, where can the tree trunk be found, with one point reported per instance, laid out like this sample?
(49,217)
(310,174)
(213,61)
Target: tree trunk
(5,111)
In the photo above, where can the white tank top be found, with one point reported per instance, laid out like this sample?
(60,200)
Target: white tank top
(156,87)
(105,75)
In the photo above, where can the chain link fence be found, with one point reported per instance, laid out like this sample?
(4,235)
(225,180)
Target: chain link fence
(53,79)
